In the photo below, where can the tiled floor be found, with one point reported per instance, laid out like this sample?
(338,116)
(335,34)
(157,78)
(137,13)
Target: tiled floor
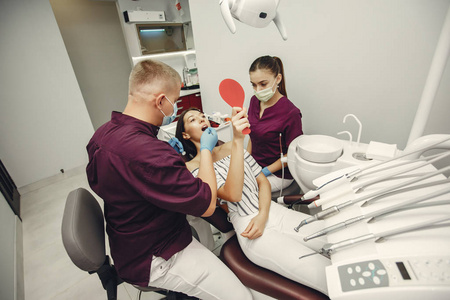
(49,273)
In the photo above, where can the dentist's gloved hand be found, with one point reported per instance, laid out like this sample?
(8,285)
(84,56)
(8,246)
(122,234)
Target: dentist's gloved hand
(177,145)
(209,139)
(266,172)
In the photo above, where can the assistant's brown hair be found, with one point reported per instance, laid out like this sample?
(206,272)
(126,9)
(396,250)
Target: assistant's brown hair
(274,65)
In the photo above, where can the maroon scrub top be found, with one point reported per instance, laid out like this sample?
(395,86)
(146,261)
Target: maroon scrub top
(283,117)
(147,192)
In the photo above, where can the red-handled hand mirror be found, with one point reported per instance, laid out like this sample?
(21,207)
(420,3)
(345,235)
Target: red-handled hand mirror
(232,92)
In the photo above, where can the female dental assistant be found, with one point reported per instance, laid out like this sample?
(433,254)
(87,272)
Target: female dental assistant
(275,121)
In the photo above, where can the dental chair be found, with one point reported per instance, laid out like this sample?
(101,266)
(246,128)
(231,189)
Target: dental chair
(83,235)
(253,276)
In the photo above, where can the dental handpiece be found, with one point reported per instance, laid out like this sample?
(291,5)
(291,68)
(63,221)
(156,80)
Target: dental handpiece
(330,185)
(424,162)
(406,189)
(360,187)
(330,248)
(398,164)
(414,206)
(336,181)
(318,216)
(337,208)
(379,212)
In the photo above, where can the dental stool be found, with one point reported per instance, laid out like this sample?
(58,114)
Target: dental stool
(83,236)
(254,276)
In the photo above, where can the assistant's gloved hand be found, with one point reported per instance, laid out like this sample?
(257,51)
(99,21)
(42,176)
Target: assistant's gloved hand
(177,145)
(266,171)
(209,139)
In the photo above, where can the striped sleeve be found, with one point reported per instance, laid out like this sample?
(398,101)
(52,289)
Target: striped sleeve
(256,168)
(221,171)
(220,175)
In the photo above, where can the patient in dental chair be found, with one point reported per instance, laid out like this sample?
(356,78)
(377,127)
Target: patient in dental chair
(265,230)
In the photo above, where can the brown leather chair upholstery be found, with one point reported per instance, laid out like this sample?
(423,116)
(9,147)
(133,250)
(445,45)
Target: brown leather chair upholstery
(254,276)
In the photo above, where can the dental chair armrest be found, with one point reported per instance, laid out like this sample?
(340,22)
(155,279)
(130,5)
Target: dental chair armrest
(263,280)
(219,219)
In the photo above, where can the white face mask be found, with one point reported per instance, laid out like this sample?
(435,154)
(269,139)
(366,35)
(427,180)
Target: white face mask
(266,94)
(169,119)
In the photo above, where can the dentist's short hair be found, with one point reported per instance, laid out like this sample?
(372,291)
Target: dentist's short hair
(151,72)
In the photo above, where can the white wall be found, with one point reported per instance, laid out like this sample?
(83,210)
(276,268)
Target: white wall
(94,40)
(44,124)
(366,57)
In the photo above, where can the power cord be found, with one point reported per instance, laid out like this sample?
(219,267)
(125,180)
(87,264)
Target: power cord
(282,166)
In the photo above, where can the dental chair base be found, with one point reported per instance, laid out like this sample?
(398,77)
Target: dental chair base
(263,280)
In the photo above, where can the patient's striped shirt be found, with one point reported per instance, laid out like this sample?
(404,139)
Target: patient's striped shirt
(249,203)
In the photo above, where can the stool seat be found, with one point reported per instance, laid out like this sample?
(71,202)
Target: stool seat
(263,280)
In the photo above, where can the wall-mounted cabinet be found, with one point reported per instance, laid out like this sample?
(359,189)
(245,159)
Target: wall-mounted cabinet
(161,38)
(188,101)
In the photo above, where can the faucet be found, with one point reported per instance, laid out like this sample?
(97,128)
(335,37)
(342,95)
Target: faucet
(349,135)
(360,126)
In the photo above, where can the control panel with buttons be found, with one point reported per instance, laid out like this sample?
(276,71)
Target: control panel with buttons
(415,271)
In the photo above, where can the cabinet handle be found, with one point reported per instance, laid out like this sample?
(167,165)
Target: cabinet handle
(197,95)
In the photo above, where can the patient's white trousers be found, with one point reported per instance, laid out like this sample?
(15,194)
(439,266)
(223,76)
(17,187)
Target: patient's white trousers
(277,183)
(280,246)
(197,272)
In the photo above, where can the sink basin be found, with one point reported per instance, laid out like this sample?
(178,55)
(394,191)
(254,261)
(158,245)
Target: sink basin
(319,148)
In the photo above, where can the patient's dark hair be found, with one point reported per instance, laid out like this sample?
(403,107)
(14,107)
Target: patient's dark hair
(272,64)
(189,147)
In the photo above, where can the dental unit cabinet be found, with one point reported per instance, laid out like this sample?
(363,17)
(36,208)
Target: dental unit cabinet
(375,264)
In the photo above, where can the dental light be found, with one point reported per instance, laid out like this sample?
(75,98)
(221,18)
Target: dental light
(256,13)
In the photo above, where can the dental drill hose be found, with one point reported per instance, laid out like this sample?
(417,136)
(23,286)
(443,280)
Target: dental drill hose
(336,181)
(282,166)
(336,208)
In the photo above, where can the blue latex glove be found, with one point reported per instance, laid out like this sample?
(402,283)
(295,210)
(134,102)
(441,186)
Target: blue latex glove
(177,145)
(266,172)
(209,139)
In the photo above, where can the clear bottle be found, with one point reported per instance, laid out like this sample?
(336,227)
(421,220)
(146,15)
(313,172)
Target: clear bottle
(187,77)
(194,76)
